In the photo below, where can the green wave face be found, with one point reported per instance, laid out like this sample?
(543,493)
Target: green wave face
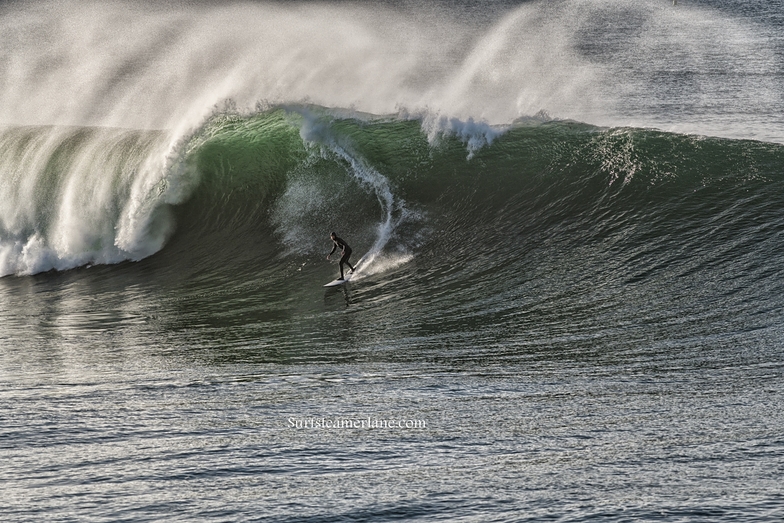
(290,175)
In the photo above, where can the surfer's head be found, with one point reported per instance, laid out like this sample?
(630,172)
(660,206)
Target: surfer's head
(333,235)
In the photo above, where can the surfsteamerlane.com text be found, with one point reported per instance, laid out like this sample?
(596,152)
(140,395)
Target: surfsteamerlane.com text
(356,423)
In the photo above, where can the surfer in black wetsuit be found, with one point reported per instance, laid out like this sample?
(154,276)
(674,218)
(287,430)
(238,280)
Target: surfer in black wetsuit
(345,252)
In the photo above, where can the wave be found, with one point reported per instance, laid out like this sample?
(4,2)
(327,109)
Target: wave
(272,185)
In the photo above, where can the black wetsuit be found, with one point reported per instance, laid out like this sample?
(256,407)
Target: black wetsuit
(346,251)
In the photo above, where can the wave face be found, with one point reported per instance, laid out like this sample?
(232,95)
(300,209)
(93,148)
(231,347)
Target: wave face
(620,213)
(466,198)
(563,217)
(551,235)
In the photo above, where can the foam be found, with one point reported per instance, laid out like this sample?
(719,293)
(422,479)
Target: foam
(80,196)
(473,134)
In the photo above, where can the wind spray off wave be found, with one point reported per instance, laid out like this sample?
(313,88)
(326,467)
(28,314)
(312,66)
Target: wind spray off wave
(143,65)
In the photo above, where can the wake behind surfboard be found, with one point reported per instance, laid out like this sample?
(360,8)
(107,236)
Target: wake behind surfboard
(347,277)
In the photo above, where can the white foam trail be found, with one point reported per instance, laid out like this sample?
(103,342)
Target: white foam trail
(382,263)
(315,129)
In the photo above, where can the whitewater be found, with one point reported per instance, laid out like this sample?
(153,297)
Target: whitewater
(571,213)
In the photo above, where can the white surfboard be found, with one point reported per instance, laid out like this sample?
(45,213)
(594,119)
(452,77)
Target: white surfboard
(347,275)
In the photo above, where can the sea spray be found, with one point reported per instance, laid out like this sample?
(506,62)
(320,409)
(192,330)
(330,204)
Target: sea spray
(605,62)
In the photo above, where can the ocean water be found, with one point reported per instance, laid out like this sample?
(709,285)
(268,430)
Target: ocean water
(573,213)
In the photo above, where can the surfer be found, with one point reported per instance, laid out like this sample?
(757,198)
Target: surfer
(345,252)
